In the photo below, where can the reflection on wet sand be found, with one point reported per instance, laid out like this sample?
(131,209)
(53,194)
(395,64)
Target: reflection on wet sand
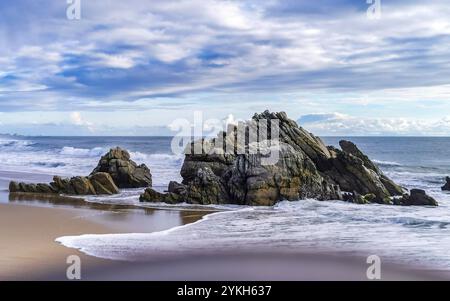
(118,212)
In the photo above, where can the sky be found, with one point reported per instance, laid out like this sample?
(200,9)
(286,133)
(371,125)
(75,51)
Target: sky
(134,67)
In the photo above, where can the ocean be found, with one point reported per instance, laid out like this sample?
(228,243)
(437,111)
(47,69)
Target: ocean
(418,235)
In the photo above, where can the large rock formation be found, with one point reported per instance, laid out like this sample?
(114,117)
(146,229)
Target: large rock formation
(96,184)
(305,168)
(115,170)
(124,171)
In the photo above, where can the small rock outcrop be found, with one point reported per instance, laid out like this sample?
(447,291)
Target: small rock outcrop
(124,171)
(115,170)
(417,197)
(305,168)
(96,184)
(446,187)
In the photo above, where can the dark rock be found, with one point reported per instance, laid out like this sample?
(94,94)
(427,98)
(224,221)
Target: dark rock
(417,197)
(306,168)
(151,195)
(392,188)
(102,183)
(14,186)
(353,171)
(124,171)
(350,148)
(447,184)
(349,197)
(98,183)
(45,188)
(176,188)
(82,186)
(365,199)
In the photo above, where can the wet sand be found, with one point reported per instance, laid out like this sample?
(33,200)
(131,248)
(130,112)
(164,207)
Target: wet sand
(28,250)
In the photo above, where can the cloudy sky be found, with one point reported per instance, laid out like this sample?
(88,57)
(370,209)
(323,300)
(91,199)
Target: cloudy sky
(133,67)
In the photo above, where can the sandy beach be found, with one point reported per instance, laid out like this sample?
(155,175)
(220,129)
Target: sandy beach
(28,252)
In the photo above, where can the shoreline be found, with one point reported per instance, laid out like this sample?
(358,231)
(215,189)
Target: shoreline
(32,254)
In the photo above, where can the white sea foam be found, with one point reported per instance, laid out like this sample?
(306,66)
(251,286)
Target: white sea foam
(82,152)
(402,234)
(14,144)
(386,163)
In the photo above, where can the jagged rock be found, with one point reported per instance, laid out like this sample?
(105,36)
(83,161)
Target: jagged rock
(206,188)
(151,195)
(103,183)
(306,168)
(365,199)
(350,148)
(176,187)
(14,186)
(98,183)
(45,188)
(82,186)
(124,171)
(353,171)
(447,184)
(417,197)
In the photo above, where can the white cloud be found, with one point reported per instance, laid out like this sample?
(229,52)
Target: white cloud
(342,124)
(115,61)
(76,119)
(231,50)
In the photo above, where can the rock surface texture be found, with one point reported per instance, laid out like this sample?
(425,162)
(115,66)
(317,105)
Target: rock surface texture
(96,184)
(115,170)
(446,187)
(305,168)
(124,171)
(417,197)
